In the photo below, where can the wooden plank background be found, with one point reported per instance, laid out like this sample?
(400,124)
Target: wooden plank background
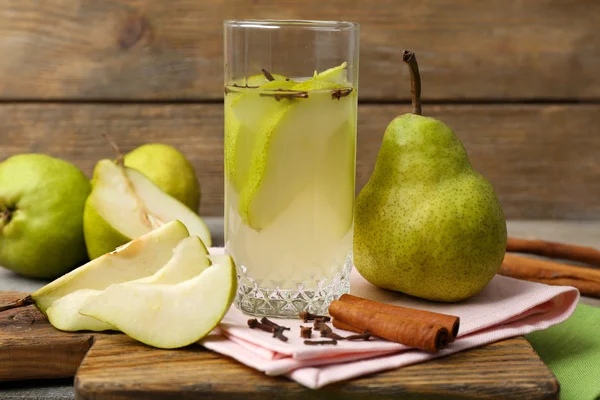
(153,49)
(520,148)
(517,80)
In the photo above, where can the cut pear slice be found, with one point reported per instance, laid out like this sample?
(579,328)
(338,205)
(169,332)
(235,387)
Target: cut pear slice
(245,115)
(63,313)
(190,258)
(125,204)
(316,84)
(337,75)
(137,259)
(279,168)
(168,316)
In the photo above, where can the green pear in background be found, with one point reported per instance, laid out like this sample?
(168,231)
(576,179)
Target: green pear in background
(168,169)
(427,224)
(41,215)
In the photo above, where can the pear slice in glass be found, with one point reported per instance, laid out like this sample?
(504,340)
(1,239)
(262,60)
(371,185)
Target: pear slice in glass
(246,112)
(337,75)
(279,168)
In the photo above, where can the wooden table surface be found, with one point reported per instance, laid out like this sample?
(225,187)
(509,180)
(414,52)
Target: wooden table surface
(584,233)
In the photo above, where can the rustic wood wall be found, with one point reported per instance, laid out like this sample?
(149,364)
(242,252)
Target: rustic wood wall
(518,81)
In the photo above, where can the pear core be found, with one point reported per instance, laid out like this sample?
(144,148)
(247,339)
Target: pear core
(125,204)
(168,169)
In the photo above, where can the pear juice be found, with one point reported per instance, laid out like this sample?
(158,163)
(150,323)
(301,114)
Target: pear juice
(289,188)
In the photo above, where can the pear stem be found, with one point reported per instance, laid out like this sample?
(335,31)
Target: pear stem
(25,301)
(415,80)
(120,157)
(4,218)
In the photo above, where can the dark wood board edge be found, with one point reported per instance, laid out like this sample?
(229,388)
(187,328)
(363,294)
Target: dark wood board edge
(456,376)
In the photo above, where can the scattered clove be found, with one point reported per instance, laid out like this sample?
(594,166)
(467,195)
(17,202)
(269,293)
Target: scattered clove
(339,93)
(326,331)
(319,321)
(270,327)
(320,324)
(317,324)
(278,333)
(272,324)
(318,342)
(332,335)
(366,335)
(277,329)
(254,324)
(306,316)
(324,328)
(305,332)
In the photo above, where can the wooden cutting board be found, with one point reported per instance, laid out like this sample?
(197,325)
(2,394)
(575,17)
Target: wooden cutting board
(113,366)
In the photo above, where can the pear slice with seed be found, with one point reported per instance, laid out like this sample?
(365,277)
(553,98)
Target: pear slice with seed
(125,204)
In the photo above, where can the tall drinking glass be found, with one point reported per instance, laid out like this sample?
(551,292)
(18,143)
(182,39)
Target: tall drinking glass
(290,154)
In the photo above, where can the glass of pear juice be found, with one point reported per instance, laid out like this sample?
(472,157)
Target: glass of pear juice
(291,90)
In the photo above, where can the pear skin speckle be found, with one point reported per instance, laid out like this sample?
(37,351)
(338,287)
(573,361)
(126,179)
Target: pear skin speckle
(427,224)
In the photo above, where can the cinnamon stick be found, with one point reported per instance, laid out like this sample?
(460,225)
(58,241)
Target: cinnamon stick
(588,255)
(345,326)
(587,280)
(413,332)
(450,322)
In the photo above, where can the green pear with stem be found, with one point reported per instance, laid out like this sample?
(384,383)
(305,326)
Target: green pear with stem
(190,258)
(427,224)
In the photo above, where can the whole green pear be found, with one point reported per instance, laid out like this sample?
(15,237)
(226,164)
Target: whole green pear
(41,215)
(168,169)
(427,224)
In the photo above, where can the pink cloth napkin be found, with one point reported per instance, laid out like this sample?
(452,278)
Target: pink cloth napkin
(505,308)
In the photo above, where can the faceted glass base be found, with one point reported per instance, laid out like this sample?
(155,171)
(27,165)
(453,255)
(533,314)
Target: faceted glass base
(274,302)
